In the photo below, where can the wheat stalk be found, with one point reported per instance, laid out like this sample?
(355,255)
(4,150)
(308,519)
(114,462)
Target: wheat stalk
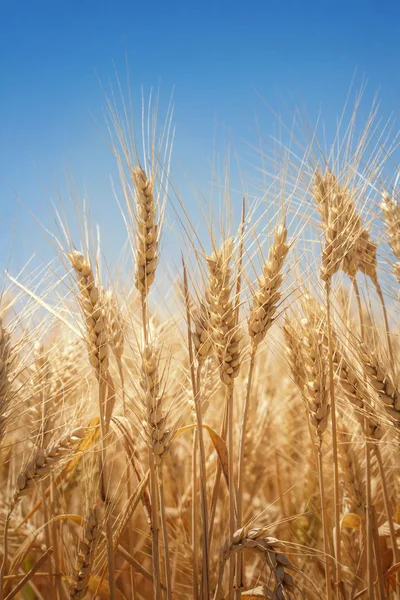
(226,340)
(265,304)
(92,305)
(316,393)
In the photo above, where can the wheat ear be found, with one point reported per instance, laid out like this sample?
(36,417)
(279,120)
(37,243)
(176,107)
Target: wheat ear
(257,540)
(5,377)
(390,398)
(45,460)
(351,472)
(332,200)
(37,470)
(93,311)
(222,317)
(382,383)
(84,561)
(391,212)
(146,230)
(355,392)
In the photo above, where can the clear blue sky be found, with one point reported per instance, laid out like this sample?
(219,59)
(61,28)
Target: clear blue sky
(215,54)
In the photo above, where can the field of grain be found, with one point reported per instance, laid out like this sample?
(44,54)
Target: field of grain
(228,431)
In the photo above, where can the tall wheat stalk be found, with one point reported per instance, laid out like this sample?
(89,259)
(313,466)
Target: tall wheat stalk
(226,341)
(147,239)
(316,392)
(265,304)
(95,318)
(332,202)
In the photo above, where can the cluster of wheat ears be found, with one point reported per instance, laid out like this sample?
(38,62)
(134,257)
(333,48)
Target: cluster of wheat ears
(230,429)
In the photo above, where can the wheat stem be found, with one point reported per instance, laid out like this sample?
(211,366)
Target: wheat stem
(239,574)
(324,522)
(203,488)
(368,507)
(336,489)
(214,497)
(164,533)
(195,537)
(154,529)
(5,551)
(388,510)
(202,350)
(231,484)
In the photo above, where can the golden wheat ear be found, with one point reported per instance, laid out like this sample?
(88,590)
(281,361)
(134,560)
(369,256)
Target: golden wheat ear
(146,231)
(45,460)
(83,568)
(391,213)
(268,295)
(93,311)
(5,377)
(225,335)
(257,540)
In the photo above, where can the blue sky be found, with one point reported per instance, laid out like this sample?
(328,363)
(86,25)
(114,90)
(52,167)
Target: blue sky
(216,54)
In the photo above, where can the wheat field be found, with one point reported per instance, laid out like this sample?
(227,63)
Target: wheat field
(224,425)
